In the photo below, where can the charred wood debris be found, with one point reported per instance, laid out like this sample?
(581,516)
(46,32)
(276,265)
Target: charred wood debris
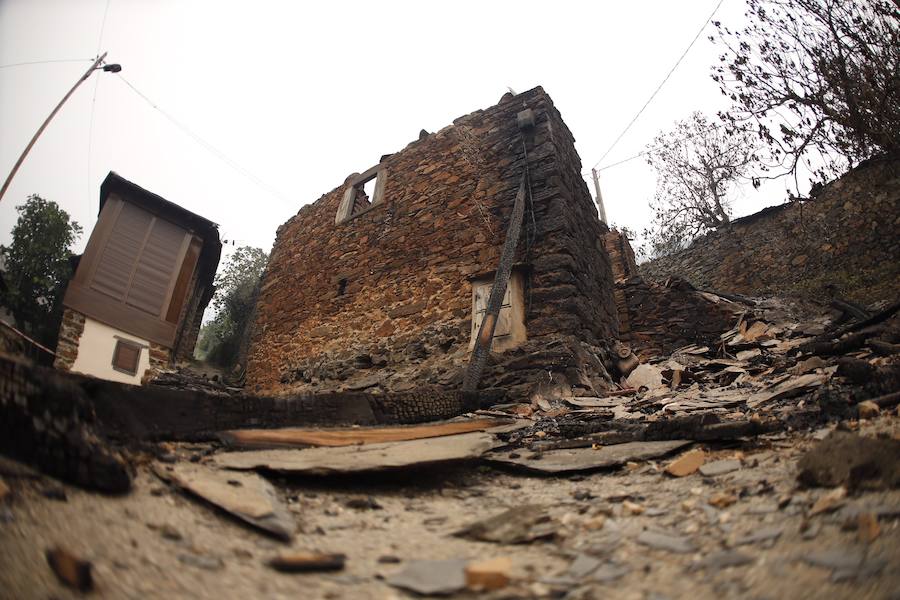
(777,370)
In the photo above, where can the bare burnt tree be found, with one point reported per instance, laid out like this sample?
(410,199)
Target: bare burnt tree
(696,164)
(815,77)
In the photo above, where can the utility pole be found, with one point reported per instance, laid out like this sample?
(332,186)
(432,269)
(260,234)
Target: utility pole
(600,206)
(93,67)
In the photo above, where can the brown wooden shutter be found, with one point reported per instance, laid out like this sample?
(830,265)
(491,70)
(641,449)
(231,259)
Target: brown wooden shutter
(140,260)
(118,258)
(156,267)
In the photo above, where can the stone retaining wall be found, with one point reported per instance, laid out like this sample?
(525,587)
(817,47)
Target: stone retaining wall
(844,241)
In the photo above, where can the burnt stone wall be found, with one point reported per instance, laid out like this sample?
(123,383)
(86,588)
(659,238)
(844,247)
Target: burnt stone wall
(845,240)
(382,302)
(656,319)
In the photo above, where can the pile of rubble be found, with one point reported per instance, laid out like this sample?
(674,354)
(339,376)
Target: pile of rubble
(721,459)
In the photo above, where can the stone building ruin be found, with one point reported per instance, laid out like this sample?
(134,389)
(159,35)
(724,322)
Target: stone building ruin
(382,291)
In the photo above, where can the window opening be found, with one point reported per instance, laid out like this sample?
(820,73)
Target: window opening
(126,357)
(365,191)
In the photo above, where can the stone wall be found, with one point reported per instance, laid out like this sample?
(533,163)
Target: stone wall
(844,241)
(621,256)
(654,318)
(70,330)
(383,301)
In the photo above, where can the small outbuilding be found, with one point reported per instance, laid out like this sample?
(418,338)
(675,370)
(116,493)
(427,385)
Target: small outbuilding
(137,298)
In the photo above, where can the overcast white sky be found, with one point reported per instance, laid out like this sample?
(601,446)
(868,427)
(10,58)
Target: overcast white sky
(301,94)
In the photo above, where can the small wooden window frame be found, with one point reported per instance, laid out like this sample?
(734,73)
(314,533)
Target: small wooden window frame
(123,345)
(345,210)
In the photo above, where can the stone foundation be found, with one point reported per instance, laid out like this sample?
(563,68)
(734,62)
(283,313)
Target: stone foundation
(70,331)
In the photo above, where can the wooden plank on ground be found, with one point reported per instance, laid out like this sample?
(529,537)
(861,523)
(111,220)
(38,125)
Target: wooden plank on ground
(292,437)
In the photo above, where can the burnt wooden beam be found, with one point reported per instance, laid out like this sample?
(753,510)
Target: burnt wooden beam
(127,412)
(498,290)
(70,425)
(49,422)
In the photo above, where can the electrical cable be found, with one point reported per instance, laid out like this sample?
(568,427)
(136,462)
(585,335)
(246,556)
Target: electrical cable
(45,62)
(93,105)
(659,87)
(210,148)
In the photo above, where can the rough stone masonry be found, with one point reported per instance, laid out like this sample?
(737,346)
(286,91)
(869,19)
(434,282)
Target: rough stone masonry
(377,292)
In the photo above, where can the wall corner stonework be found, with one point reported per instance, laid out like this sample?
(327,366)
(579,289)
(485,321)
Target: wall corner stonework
(70,331)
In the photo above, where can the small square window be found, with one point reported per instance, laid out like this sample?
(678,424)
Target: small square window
(126,357)
(365,191)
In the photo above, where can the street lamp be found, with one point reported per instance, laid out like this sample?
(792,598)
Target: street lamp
(114,68)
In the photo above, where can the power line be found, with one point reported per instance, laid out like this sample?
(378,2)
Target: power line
(93,106)
(46,62)
(624,160)
(102,26)
(209,147)
(659,87)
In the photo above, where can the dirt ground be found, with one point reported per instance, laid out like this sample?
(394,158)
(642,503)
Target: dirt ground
(157,542)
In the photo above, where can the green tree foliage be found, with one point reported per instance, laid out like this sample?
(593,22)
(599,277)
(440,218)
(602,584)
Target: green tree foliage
(696,163)
(38,268)
(815,77)
(222,340)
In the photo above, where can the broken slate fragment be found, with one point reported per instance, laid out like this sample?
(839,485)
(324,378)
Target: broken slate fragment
(851,460)
(246,496)
(609,571)
(845,563)
(723,560)
(588,567)
(207,563)
(431,577)
(581,567)
(304,562)
(719,467)
(515,526)
(763,534)
(71,570)
(588,459)
(664,541)
(793,386)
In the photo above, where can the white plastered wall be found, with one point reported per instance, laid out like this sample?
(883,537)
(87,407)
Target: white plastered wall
(95,353)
